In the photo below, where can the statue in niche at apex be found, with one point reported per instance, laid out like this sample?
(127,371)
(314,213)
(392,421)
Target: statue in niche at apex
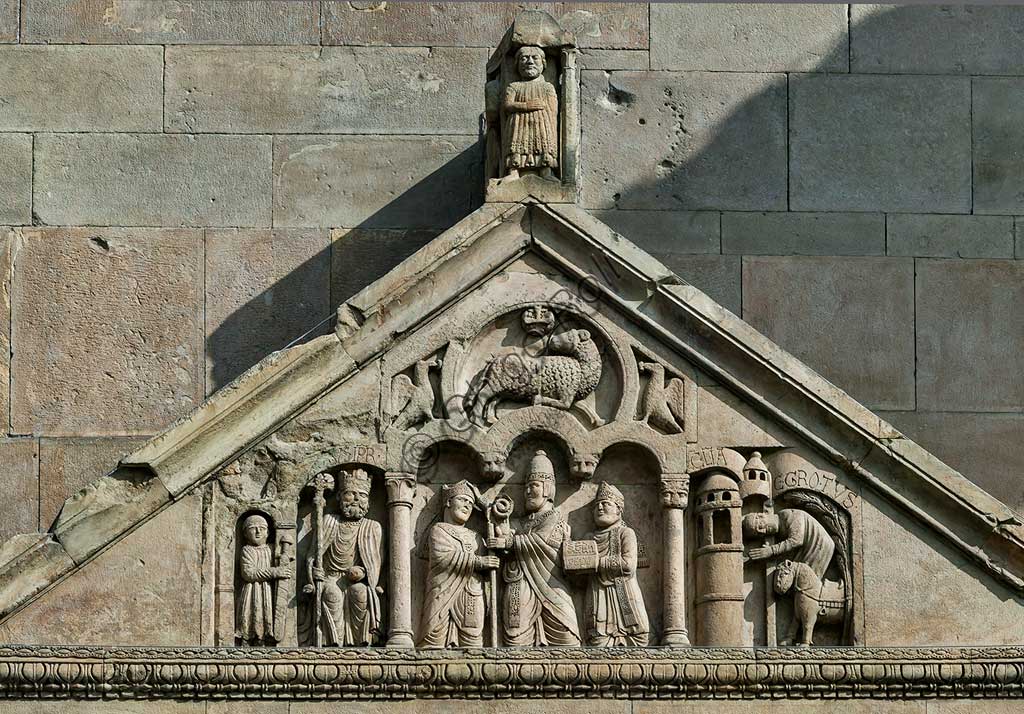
(536,605)
(344,570)
(455,603)
(529,111)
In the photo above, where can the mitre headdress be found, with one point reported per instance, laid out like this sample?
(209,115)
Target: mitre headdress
(607,492)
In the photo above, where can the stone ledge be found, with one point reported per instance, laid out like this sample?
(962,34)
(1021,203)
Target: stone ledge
(66,672)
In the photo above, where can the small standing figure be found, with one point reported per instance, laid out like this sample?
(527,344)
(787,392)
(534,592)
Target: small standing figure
(454,607)
(615,615)
(255,616)
(351,557)
(530,112)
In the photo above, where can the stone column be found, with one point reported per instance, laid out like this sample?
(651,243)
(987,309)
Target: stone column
(401,487)
(675,491)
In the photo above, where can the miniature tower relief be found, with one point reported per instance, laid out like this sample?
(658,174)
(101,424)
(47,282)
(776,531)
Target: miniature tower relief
(532,113)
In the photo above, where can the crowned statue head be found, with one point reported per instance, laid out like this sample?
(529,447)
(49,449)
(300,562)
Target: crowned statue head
(540,483)
(459,501)
(354,494)
(608,505)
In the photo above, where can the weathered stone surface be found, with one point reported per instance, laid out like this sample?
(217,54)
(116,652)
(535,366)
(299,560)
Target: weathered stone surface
(694,140)
(15,178)
(352,90)
(718,276)
(127,330)
(880,143)
(969,325)
(945,236)
(803,233)
(723,420)
(983,447)
(243,22)
(146,591)
(797,301)
(438,24)
(375,182)
(9,243)
(264,288)
(614,59)
(667,231)
(153,180)
(934,39)
(247,707)
(67,465)
(29,563)
(741,37)
(915,586)
(166,706)
(998,144)
(784,707)
(81,88)
(20,474)
(361,255)
(9,20)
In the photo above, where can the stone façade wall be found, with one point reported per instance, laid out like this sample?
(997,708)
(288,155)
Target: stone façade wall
(189,186)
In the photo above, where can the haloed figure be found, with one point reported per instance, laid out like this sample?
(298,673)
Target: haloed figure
(255,616)
(454,607)
(615,615)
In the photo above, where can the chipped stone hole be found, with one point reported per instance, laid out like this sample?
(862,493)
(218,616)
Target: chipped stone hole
(99,244)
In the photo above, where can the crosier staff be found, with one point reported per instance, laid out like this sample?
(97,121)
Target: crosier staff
(321,483)
(498,512)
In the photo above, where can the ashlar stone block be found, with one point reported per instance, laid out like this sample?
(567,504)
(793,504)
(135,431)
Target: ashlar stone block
(15,178)
(749,37)
(866,143)
(983,447)
(107,317)
(612,25)
(614,59)
(9,243)
(667,231)
(350,90)
(19,476)
(829,312)
(684,140)
(998,144)
(969,327)
(9,12)
(361,255)
(242,22)
(375,182)
(937,39)
(264,289)
(153,180)
(68,88)
(717,276)
(803,233)
(66,465)
(949,236)
(146,591)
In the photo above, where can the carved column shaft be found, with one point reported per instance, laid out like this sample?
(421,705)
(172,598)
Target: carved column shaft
(401,487)
(675,491)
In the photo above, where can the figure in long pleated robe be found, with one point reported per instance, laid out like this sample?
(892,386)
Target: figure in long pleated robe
(255,616)
(530,118)
(455,603)
(615,615)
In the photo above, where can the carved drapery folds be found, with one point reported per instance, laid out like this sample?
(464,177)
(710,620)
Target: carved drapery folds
(537,460)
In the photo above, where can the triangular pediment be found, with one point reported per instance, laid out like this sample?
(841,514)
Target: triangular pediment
(660,389)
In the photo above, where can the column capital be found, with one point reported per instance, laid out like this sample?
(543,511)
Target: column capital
(401,486)
(675,490)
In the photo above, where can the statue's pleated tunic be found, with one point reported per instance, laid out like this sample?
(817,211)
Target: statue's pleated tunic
(532,133)
(255,603)
(615,612)
(453,611)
